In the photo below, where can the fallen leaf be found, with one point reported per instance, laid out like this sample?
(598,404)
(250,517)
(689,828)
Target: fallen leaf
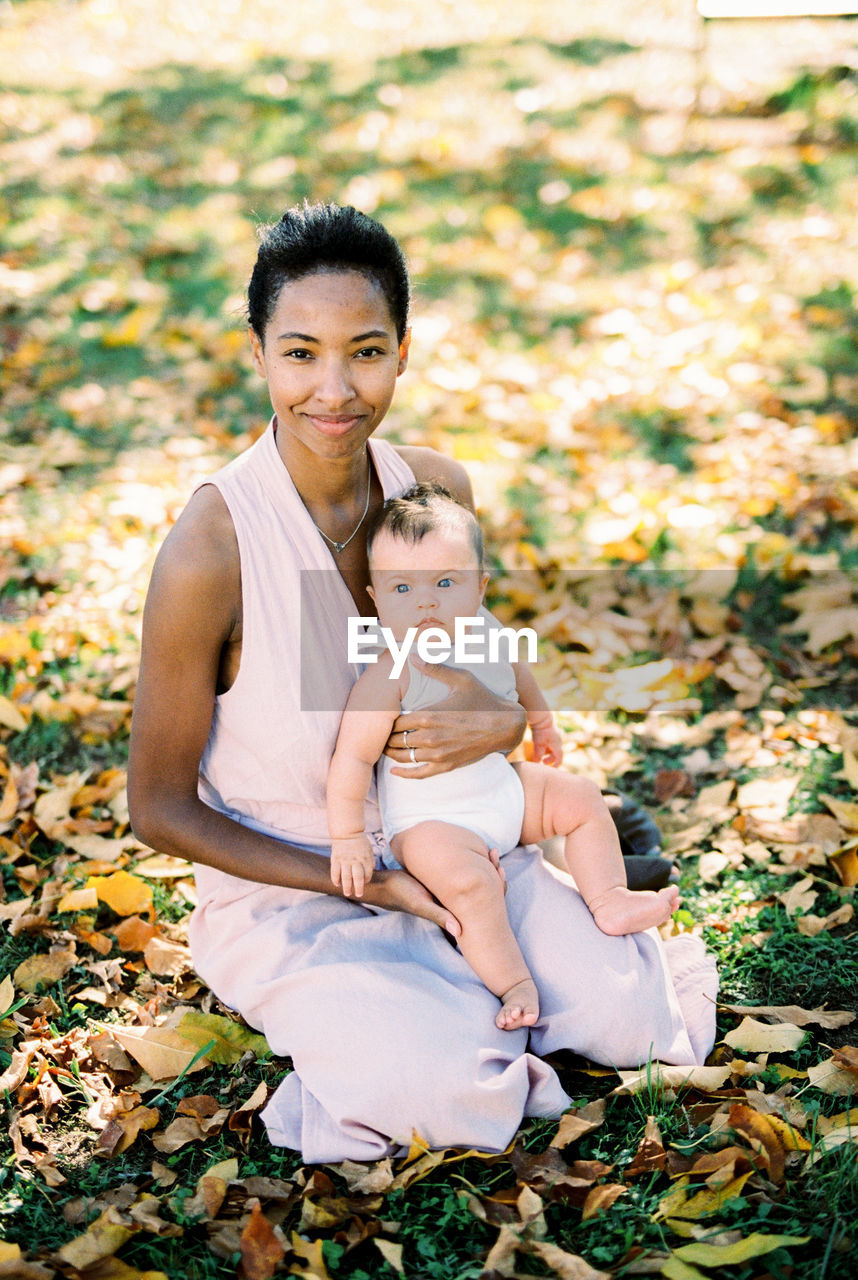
(845,811)
(161,1051)
(261,1251)
(44,970)
(122,1129)
(125,893)
(568,1266)
(311,1252)
(761,1037)
(391,1252)
(167,959)
(78,900)
(10,716)
(830,1077)
(799,897)
(576,1123)
(232,1039)
(753,1246)
(101,1239)
(650,1155)
(821,1017)
(706,1079)
(600,1199)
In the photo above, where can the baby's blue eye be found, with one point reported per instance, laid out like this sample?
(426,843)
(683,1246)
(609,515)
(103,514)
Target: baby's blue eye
(401,588)
(445,582)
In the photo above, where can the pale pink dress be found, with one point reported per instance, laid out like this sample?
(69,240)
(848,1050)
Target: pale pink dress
(389,1030)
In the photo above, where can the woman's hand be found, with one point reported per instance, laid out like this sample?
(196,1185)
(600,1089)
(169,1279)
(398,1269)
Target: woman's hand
(399,891)
(471,722)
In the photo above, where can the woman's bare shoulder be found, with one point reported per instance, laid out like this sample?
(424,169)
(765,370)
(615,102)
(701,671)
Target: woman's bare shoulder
(200,554)
(428,464)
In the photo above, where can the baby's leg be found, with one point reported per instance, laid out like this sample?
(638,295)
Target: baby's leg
(453,864)
(558,803)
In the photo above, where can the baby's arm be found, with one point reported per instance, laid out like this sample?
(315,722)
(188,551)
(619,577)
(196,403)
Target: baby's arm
(372,707)
(547,743)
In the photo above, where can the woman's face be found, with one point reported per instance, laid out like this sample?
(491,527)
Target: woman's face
(331,357)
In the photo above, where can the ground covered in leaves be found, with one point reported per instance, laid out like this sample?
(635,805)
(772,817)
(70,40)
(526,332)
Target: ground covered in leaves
(634,247)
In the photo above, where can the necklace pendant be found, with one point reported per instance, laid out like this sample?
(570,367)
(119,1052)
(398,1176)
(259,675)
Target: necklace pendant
(338,546)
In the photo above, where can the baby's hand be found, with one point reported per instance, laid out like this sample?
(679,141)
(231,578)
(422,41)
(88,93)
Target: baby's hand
(352,864)
(547,742)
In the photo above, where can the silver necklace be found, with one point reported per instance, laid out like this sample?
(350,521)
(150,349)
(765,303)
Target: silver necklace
(341,546)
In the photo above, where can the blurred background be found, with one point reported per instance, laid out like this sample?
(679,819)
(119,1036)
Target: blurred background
(633,242)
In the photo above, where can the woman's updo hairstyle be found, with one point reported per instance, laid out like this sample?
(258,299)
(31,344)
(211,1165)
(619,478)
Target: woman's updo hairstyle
(326,237)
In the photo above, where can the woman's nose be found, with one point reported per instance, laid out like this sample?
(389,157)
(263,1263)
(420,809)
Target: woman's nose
(334,387)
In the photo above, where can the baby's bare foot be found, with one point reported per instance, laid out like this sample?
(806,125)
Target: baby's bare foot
(622,910)
(520,1006)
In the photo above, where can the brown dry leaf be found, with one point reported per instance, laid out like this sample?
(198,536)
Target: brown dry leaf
(761,1037)
(366,1179)
(133,933)
(52,810)
(847,1057)
(7,994)
(161,1051)
(167,959)
(650,1154)
(125,893)
(44,970)
(799,897)
(578,1122)
(568,1266)
(810,926)
(845,811)
(821,1017)
(846,866)
(600,1199)
(122,1130)
(100,1240)
(241,1120)
(261,1250)
(763,1138)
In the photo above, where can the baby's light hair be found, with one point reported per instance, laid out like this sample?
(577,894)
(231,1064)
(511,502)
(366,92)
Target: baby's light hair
(426,507)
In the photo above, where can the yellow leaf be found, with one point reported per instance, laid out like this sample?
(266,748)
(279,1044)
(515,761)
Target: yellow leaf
(52,809)
(124,893)
(730,1255)
(161,1051)
(99,848)
(224,1169)
(231,1038)
(10,716)
(311,1252)
(78,900)
(9,801)
(760,1037)
(690,1207)
(43,970)
(9,1252)
(100,1240)
(676,1269)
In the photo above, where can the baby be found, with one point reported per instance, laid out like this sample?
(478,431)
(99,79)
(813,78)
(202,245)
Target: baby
(425,561)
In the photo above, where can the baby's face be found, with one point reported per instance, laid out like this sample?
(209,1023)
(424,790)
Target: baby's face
(425,584)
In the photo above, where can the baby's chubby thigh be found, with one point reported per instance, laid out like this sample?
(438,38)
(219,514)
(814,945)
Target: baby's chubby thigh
(451,861)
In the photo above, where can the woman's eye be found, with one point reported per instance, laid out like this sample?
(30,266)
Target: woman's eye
(299,353)
(369,352)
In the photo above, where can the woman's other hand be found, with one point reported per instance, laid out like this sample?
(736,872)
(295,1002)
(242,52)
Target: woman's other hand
(470,723)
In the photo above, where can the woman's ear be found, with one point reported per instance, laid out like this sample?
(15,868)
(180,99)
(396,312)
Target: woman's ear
(371,593)
(258,352)
(484,582)
(404,348)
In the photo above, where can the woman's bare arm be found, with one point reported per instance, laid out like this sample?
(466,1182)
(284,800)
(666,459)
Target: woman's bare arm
(192,613)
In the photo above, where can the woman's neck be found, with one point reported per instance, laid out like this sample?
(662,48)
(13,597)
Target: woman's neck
(334,482)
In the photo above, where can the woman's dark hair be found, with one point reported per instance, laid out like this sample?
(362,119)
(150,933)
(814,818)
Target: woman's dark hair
(326,237)
(422,509)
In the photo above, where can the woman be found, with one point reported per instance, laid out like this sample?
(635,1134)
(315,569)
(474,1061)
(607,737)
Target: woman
(244,676)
